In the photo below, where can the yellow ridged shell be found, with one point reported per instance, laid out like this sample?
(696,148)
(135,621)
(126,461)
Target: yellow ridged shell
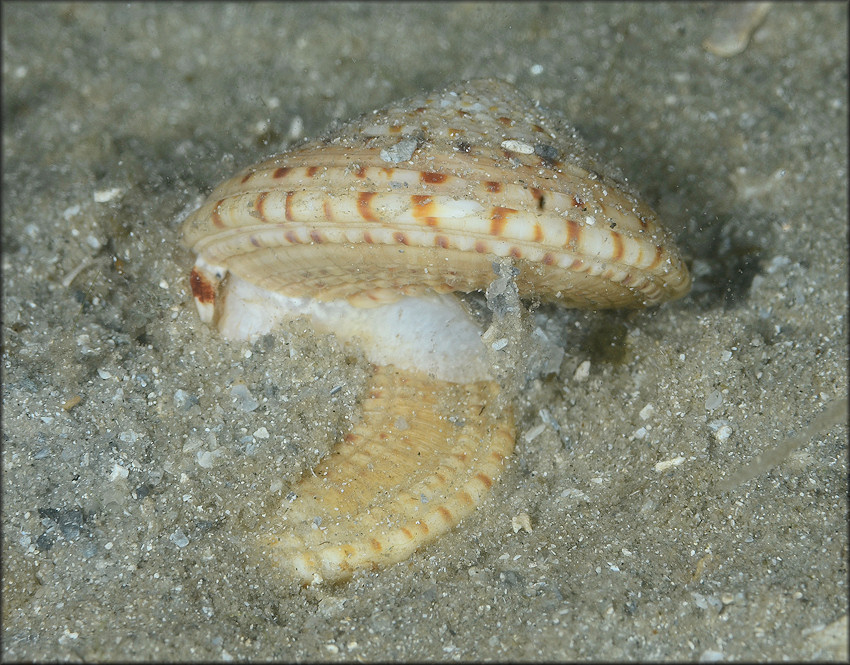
(422,457)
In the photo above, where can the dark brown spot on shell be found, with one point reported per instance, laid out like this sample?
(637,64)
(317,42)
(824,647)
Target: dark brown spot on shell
(363,199)
(367,238)
(481,247)
(360,171)
(573,234)
(376,545)
(515,252)
(578,202)
(287,207)
(446,513)
(422,204)
(316,237)
(493,186)
(407,533)
(538,233)
(619,249)
(291,238)
(247,177)
(259,206)
(485,480)
(498,219)
(441,241)
(216,217)
(548,259)
(507,122)
(281,172)
(538,196)
(423,208)
(311,171)
(400,238)
(433,178)
(328,211)
(202,289)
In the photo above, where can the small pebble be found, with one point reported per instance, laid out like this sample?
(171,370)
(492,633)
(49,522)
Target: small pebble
(179,538)
(106,195)
(711,656)
(400,152)
(118,473)
(518,146)
(734,25)
(713,400)
(72,402)
(664,465)
(242,397)
(521,521)
(183,401)
(582,371)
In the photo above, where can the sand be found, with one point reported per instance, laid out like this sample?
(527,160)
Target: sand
(140,451)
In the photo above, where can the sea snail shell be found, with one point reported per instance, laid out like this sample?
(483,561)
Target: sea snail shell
(363,231)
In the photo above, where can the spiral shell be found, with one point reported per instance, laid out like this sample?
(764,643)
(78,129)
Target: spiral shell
(416,199)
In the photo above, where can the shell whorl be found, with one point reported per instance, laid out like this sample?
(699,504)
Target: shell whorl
(339,217)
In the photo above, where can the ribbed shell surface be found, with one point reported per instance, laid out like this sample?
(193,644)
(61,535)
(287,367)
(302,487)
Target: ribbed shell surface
(423,194)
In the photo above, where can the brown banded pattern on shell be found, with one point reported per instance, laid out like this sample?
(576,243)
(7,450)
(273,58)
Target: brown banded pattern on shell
(429,190)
